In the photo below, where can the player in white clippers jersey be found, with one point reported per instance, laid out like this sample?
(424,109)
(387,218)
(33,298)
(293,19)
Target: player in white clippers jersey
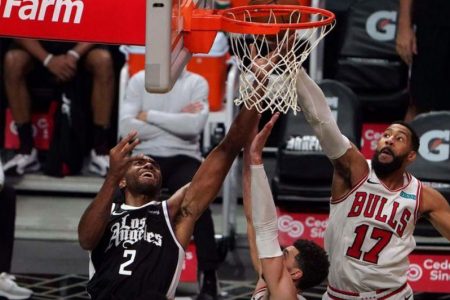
(282,274)
(373,209)
(138,247)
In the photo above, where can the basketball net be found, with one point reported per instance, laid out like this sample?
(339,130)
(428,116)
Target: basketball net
(274,88)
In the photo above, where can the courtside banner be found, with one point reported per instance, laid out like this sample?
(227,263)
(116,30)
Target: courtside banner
(429,271)
(293,226)
(97,21)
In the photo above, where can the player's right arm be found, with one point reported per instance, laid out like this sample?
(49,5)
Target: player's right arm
(350,165)
(208,179)
(96,216)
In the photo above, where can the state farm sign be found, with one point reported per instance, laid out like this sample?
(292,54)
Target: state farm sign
(65,11)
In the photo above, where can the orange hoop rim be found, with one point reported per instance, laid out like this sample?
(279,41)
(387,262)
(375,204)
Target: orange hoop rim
(248,27)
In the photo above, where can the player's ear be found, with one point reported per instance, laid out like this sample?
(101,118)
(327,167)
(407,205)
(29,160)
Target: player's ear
(122,183)
(296,274)
(411,156)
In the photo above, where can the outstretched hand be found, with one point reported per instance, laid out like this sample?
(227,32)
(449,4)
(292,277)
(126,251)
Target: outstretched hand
(260,139)
(120,156)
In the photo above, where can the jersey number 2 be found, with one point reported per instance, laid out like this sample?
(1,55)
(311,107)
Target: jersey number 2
(380,235)
(132,255)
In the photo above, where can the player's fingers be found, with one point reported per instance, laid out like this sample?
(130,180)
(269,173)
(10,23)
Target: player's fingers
(269,125)
(131,136)
(252,51)
(128,147)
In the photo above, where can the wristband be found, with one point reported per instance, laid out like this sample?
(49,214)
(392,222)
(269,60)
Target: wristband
(47,60)
(74,54)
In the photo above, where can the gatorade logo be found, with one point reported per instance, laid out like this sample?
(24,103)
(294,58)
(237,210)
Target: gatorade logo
(414,272)
(65,11)
(381,25)
(434,145)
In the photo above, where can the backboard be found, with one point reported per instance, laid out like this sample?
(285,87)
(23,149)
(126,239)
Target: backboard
(165,53)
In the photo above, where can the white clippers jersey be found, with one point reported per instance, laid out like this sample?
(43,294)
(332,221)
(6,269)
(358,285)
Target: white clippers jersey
(369,235)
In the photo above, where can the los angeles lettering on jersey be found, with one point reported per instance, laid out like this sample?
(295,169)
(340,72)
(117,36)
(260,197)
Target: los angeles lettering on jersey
(131,231)
(372,206)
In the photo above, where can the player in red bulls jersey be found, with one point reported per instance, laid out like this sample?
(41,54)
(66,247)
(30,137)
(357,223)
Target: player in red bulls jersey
(374,207)
(138,247)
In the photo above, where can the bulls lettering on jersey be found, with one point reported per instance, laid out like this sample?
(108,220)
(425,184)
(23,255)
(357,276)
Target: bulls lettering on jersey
(370,234)
(138,255)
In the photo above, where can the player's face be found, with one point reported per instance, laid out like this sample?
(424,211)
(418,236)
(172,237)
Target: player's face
(144,177)
(289,254)
(393,149)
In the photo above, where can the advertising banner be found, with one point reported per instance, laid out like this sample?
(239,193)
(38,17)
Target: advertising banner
(370,134)
(189,273)
(99,21)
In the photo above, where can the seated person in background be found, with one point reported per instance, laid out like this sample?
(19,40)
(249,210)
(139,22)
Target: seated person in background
(61,60)
(169,127)
(8,288)
(282,274)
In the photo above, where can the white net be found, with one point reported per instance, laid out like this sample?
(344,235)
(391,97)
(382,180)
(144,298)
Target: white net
(269,64)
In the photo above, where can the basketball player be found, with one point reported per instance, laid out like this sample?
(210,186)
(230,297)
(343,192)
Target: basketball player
(138,247)
(283,274)
(374,208)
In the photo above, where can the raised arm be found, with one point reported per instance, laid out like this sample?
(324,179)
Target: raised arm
(437,210)
(264,217)
(208,179)
(96,216)
(349,164)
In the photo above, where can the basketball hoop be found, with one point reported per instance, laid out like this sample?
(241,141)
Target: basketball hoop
(289,34)
(283,35)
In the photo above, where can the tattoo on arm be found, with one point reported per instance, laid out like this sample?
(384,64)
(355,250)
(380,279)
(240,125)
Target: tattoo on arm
(184,212)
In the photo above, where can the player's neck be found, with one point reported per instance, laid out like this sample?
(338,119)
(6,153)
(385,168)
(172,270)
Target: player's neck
(393,180)
(137,200)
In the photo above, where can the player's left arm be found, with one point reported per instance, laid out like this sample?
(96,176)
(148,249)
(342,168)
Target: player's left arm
(436,209)
(208,179)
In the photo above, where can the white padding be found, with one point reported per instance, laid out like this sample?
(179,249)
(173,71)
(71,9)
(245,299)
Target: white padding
(264,214)
(318,114)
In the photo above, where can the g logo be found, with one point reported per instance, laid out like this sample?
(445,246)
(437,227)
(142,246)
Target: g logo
(381,25)
(434,145)
(414,272)
(293,228)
